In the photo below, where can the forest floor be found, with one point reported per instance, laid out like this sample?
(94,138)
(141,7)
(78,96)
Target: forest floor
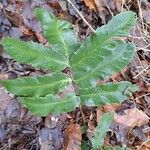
(20,130)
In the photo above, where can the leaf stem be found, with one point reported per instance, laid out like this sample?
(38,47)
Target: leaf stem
(82,114)
(69,1)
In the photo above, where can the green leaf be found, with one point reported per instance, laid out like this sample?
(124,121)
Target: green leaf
(107,93)
(118,26)
(101,129)
(37,86)
(100,56)
(85,146)
(102,63)
(44,105)
(35,54)
(58,31)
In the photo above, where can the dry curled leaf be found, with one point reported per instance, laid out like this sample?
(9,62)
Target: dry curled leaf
(131,118)
(73,137)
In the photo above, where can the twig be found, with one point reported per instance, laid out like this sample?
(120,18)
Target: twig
(140,13)
(141,72)
(80,14)
(82,114)
(144,49)
(109,9)
(141,96)
(143,144)
(122,4)
(136,55)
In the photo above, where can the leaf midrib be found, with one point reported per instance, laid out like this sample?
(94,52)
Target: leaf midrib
(102,42)
(45,85)
(53,102)
(100,67)
(45,56)
(101,94)
(63,43)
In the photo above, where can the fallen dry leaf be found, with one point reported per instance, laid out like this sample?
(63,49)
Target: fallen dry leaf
(111,107)
(102,11)
(50,138)
(15,32)
(143,87)
(145,14)
(55,4)
(118,4)
(4,98)
(99,6)
(99,113)
(90,4)
(73,137)
(4,76)
(132,117)
(145,145)
(91,124)
(26,30)
(41,38)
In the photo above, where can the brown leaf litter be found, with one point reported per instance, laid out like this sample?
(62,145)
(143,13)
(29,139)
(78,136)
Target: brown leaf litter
(131,118)
(20,130)
(73,137)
